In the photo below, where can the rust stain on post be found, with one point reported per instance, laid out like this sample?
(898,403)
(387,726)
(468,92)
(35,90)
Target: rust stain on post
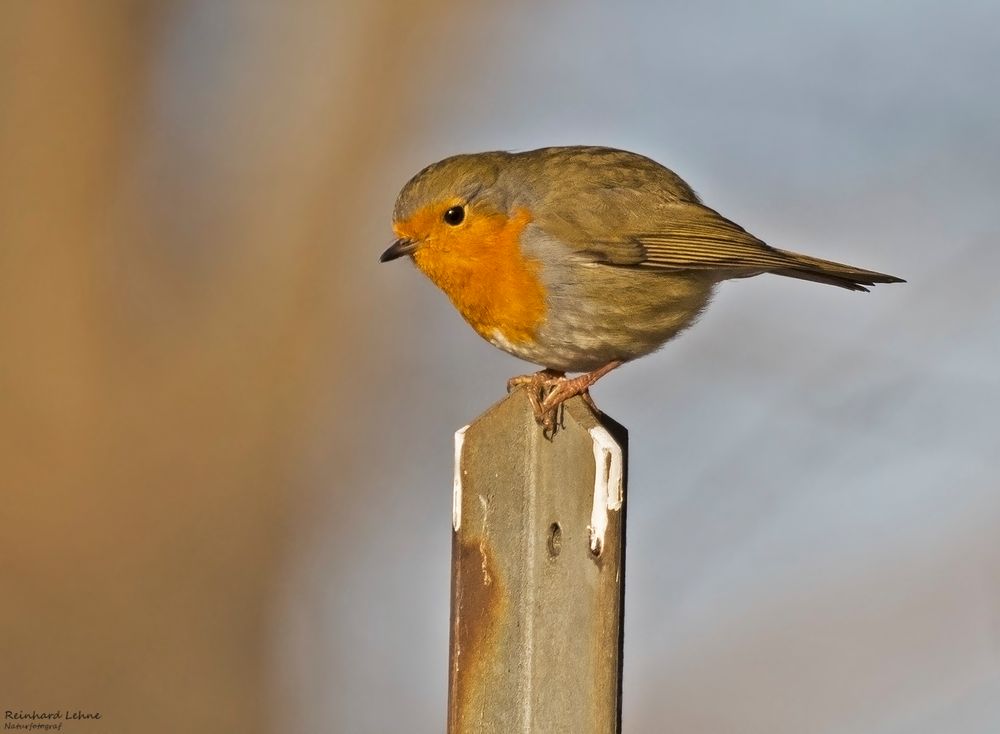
(478,592)
(537,574)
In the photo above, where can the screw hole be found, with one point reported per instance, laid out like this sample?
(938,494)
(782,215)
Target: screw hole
(555,539)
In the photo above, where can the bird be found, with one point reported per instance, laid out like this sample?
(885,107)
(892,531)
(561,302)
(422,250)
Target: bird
(580,259)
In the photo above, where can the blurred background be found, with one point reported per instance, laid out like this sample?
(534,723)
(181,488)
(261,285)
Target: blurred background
(225,429)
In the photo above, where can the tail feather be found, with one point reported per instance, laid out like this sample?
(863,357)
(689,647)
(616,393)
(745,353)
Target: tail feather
(827,271)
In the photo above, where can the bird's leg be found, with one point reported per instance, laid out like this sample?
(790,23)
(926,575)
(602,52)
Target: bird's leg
(567,388)
(549,389)
(539,384)
(535,379)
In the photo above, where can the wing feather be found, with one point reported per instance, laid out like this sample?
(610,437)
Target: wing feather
(627,211)
(690,236)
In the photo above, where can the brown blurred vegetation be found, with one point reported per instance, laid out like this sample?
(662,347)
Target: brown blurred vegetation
(169,322)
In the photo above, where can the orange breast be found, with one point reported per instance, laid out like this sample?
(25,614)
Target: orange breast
(482,269)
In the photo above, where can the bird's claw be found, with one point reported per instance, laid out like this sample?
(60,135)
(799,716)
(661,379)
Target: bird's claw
(541,386)
(549,389)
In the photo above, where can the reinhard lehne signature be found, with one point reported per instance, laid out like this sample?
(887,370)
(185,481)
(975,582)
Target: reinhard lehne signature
(45,720)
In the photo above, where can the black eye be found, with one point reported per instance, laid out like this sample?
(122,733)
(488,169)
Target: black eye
(455,216)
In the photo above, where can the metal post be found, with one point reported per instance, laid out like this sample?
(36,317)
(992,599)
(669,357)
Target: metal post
(538,561)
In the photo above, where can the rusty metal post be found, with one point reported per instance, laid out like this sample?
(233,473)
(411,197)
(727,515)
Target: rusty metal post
(538,561)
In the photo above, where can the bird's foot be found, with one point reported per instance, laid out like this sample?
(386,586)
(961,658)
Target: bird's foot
(549,389)
(540,385)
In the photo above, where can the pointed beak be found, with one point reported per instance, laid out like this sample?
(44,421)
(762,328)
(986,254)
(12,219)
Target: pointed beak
(400,247)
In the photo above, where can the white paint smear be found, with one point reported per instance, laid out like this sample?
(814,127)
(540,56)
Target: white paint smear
(456,491)
(607,485)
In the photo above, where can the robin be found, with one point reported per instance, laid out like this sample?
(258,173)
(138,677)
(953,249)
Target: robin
(580,259)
